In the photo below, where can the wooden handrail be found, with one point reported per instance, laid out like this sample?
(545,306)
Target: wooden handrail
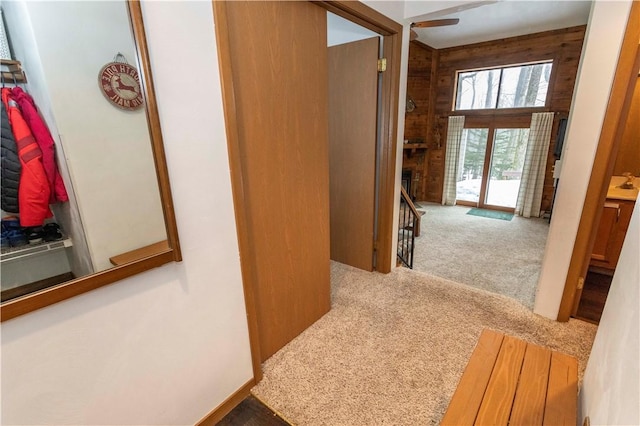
(407,199)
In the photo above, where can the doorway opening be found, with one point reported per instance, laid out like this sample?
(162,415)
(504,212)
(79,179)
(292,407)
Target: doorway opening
(622,194)
(495,120)
(276,116)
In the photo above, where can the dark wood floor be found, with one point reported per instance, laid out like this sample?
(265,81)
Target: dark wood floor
(594,296)
(251,412)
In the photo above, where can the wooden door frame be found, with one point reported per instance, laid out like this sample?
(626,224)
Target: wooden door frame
(392,45)
(610,136)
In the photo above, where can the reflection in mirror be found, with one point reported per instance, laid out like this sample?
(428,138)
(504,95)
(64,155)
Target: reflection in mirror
(112,212)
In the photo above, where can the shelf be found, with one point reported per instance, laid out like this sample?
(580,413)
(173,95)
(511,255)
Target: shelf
(141,253)
(14,253)
(12,71)
(415,146)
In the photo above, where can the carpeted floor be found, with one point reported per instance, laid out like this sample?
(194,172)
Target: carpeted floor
(393,347)
(499,256)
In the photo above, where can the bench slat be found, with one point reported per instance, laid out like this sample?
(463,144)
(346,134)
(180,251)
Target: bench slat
(470,391)
(528,407)
(561,406)
(498,398)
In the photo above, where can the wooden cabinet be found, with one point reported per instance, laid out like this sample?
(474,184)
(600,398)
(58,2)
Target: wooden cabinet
(611,232)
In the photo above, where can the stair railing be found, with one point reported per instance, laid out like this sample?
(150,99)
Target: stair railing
(408,229)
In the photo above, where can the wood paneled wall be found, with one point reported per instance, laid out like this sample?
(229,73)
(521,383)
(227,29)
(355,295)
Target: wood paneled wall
(562,46)
(418,88)
(421,73)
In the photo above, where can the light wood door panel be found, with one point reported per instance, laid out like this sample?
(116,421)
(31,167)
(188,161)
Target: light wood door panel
(353,96)
(279,65)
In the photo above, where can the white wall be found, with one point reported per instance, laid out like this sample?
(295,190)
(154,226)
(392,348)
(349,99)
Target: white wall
(168,345)
(419,9)
(341,31)
(108,151)
(611,387)
(393,9)
(595,77)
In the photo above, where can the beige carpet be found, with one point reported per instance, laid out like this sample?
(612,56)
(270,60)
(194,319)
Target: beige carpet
(393,347)
(496,255)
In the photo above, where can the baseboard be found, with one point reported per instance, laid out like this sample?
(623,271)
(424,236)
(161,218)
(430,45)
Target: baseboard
(229,404)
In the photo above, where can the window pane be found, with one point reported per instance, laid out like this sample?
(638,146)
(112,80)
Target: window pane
(524,86)
(472,151)
(507,162)
(477,89)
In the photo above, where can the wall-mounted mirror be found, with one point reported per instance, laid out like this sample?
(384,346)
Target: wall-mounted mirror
(108,212)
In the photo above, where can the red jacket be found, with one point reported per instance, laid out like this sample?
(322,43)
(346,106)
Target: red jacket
(45,142)
(33,191)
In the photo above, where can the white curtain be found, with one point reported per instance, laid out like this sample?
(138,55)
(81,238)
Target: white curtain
(535,165)
(452,159)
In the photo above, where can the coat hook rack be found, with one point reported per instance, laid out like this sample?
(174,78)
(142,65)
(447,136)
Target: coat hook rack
(12,71)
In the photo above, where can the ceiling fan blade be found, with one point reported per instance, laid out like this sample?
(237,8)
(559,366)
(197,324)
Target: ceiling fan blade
(435,23)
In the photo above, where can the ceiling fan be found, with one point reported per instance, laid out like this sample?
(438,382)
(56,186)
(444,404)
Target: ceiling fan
(430,24)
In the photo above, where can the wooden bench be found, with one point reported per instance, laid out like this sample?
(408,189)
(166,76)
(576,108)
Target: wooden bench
(510,381)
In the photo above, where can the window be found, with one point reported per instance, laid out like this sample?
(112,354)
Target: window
(521,86)
(491,163)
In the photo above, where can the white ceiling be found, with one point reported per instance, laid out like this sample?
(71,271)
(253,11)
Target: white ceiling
(494,20)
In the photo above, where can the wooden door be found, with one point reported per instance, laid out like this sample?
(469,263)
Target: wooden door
(279,66)
(353,106)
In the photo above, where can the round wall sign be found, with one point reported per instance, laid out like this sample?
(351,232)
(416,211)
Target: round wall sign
(120,84)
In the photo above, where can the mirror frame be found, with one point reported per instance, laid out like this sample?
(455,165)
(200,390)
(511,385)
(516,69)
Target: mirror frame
(48,296)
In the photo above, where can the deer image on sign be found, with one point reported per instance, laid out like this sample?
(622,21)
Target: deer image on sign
(120,84)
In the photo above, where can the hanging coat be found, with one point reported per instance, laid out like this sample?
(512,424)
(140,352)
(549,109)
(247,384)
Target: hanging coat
(10,175)
(33,192)
(45,142)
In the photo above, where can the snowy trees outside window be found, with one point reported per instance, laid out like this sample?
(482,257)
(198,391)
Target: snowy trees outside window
(522,86)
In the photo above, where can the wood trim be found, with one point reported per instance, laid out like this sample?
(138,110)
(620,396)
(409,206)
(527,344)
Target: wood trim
(498,208)
(58,293)
(139,253)
(247,262)
(153,120)
(227,405)
(51,295)
(392,47)
(466,203)
(498,112)
(499,121)
(363,15)
(604,161)
(22,290)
